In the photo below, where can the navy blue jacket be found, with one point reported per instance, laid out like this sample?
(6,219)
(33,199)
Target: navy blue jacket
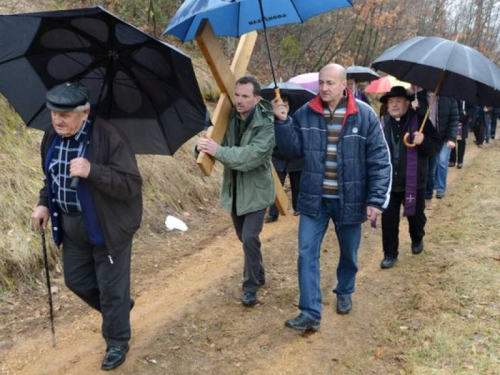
(364,167)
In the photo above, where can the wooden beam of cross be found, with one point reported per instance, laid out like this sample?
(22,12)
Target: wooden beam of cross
(226,77)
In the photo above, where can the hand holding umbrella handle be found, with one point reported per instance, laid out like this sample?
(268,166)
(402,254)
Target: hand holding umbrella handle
(438,87)
(277,93)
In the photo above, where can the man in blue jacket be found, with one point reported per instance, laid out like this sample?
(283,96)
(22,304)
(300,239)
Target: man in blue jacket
(346,178)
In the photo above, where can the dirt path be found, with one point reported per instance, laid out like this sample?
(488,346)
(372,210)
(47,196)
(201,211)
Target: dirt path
(188,318)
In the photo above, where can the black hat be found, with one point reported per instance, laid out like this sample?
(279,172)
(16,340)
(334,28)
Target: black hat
(396,91)
(67,96)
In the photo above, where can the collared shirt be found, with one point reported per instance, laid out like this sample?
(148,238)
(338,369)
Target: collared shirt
(67,149)
(433,115)
(334,127)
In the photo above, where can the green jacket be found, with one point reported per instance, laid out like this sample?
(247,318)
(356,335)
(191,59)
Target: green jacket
(251,162)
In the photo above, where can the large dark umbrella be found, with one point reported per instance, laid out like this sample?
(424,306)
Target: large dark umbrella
(465,73)
(448,68)
(238,17)
(297,95)
(143,85)
(361,74)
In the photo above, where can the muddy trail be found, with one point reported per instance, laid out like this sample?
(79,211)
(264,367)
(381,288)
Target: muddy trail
(188,318)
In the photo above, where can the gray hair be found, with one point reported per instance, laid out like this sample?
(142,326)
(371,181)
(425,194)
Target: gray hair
(82,108)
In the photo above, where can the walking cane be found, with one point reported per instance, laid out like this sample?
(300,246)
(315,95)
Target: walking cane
(46,261)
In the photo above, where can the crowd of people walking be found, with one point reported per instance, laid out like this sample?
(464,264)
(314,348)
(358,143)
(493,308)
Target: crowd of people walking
(346,165)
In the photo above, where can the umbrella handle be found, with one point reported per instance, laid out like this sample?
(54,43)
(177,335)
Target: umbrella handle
(438,87)
(405,141)
(277,93)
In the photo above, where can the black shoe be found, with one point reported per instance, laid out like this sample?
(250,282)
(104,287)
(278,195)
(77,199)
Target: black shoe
(460,165)
(270,218)
(303,323)
(388,262)
(262,282)
(451,164)
(249,299)
(344,304)
(417,248)
(114,357)
(439,195)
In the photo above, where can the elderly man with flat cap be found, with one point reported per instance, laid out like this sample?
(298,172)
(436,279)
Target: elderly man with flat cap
(409,172)
(96,219)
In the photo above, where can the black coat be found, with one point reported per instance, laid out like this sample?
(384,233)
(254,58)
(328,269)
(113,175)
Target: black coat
(447,115)
(282,164)
(115,183)
(467,118)
(430,146)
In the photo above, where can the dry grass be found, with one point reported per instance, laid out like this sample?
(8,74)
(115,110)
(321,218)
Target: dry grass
(450,322)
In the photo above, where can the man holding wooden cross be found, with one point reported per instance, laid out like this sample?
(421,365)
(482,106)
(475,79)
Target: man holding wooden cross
(247,186)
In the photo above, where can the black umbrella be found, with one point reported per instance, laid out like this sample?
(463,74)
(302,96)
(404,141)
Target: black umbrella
(465,73)
(297,95)
(143,85)
(448,68)
(361,74)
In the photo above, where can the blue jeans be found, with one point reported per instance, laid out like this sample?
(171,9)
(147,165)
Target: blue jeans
(442,169)
(311,233)
(431,176)
(489,120)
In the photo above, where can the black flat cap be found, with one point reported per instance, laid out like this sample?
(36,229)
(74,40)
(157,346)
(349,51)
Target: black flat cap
(67,96)
(396,91)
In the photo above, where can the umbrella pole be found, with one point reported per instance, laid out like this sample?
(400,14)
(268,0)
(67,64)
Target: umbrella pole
(276,89)
(438,87)
(75,180)
(51,309)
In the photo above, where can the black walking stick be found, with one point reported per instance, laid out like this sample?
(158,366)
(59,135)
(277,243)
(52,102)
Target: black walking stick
(46,261)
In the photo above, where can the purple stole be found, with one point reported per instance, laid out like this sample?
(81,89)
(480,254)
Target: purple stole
(411,170)
(357,95)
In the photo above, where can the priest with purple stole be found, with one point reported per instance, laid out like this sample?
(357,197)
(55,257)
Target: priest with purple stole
(409,172)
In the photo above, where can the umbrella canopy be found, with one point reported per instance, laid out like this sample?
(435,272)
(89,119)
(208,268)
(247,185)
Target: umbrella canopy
(308,81)
(385,84)
(238,17)
(361,74)
(297,94)
(141,84)
(468,75)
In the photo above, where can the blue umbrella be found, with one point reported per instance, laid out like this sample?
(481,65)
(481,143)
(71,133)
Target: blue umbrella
(238,17)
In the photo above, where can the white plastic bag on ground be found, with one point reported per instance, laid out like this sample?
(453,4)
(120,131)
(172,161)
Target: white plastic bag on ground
(173,223)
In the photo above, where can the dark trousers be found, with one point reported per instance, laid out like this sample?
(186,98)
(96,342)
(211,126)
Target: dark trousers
(294,184)
(480,133)
(390,222)
(458,157)
(248,228)
(431,175)
(105,286)
(494,126)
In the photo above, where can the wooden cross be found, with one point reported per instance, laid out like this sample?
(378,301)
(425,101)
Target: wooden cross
(226,77)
